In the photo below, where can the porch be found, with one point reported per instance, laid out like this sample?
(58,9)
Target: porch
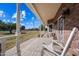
(32,47)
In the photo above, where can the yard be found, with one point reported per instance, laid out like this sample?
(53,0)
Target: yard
(11,42)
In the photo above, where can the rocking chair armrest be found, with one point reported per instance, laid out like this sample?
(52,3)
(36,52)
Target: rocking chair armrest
(48,49)
(76,49)
(54,41)
(44,43)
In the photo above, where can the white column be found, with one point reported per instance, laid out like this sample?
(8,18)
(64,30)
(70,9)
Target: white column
(18,30)
(61,29)
(47,32)
(40,31)
(2,42)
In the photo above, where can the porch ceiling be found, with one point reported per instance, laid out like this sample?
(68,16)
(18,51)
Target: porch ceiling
(44,11)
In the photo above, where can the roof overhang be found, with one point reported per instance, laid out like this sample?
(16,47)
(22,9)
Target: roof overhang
(44,11)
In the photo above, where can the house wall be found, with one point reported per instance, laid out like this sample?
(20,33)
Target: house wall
(71,21)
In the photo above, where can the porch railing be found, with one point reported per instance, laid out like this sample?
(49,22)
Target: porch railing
(3,41)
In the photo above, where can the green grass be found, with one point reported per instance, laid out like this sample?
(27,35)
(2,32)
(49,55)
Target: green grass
(11,42)
(2,33)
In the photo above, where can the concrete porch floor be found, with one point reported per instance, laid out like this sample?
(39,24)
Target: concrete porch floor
(31,47)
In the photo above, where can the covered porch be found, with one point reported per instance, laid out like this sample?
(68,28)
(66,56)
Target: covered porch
(33,47)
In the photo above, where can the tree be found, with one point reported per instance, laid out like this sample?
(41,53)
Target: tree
(7,26)
(22,27)
(2,25)
(11,26)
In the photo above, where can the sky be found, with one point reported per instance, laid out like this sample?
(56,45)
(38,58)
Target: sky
(27,18)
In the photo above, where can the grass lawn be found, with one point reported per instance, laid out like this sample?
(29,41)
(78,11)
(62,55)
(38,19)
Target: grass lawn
(11,42)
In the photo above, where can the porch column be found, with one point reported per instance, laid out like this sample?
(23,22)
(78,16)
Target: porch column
(18,30)
(61,29)
(47,31)
(40,32)
(2,46)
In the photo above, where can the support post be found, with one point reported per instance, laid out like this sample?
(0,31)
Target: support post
(61,29)
(47,31)
(40,31)
(2,47)
(18,30)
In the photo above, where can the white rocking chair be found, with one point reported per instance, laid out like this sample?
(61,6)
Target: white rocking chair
(62,51)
